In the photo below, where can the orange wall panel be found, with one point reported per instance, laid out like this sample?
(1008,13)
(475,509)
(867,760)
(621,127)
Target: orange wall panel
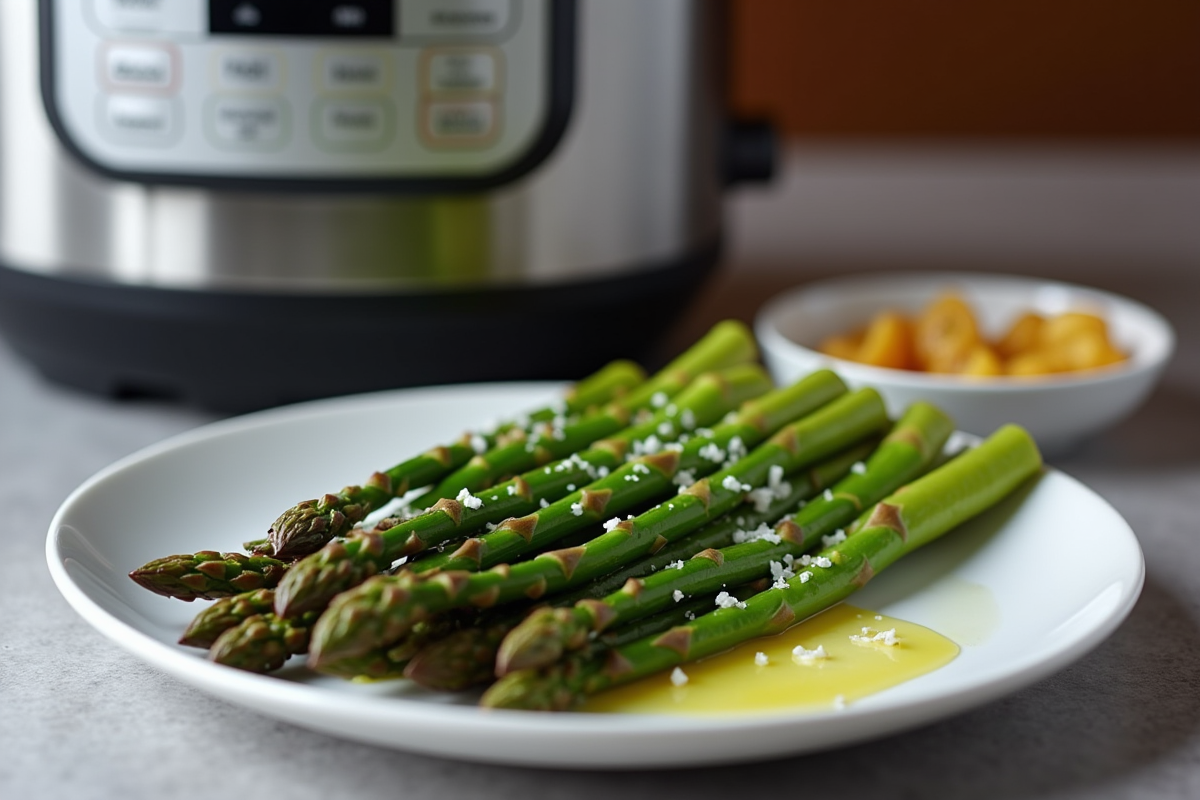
(975,68)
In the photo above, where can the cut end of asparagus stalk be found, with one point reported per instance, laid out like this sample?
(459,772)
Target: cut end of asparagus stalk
(208,575)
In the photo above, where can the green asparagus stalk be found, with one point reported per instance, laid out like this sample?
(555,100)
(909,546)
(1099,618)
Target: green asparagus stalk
(466,657)
(226,613)
(384,608)
(208,574)
(640,481)
(727,344)
(341,565)
(281,639)
(906,452)
(906,520)
(309,524)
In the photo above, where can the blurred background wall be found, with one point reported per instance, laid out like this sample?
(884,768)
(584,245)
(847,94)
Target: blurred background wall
(1044,69)
(1046,137)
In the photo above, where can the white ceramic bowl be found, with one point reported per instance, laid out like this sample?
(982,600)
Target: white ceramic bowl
(1060,410)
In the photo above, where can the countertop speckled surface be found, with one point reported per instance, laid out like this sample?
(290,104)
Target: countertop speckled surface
(81,719)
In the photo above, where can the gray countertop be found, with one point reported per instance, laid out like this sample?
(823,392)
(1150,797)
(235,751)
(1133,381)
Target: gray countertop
(80,718)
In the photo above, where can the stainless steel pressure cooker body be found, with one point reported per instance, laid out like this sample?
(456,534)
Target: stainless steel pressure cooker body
(248,202)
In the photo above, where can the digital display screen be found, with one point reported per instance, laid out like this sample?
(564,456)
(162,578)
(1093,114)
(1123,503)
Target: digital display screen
(326,18)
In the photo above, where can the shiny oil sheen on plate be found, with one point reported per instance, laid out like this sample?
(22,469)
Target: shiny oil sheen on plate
(733,682)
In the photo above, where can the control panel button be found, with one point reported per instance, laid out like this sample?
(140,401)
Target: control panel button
(140,119)
(342,72)
(354,124)
(454,19)
(470,123)
(139,67)
(247,122)
(461,71)
(249,70)
(155,16)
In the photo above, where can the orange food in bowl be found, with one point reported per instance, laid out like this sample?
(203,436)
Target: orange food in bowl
(945,337)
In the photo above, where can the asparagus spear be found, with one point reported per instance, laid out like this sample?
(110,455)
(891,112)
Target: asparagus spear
(727,344)
(311,523)
(905,453)
(280,640)
(639,482)
(340,565)
(466,657)
(226,613)
(906,520)
(383,608)
(208,574)
(330,572)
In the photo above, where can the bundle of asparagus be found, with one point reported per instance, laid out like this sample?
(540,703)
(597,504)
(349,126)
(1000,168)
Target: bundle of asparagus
(906,520)
(715,494)
(471,463)
(262,643)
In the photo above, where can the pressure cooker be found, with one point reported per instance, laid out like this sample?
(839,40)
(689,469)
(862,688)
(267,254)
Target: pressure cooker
(241,203)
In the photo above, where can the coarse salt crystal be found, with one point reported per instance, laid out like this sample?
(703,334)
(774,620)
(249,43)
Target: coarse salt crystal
(760,659)
(675,565)
(726,600)
(479,444)
(837,537)
(887,638)
(808,656)
(577,509)
(805,577)
(763,531)
(659,399)
(687,419)
(827,495)
(611,525)
(469,500)
(734,485)
(859,468)
(685,478)
(512,489)
(677,595)
(712,453)
(642,468)
(822,562)
(679,677)
(544,503)
(761,499)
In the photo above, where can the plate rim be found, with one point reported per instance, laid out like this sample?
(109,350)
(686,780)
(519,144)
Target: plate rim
(257,692)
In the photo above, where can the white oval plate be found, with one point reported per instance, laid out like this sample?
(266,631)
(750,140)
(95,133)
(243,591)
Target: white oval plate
(1026,589)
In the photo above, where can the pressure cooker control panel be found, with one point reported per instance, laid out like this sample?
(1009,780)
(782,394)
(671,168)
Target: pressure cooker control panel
(430,95)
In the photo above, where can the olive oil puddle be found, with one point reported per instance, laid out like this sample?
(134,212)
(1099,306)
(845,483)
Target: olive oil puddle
(735,682)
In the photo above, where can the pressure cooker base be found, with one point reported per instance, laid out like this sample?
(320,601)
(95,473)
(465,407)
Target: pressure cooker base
(238,351)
